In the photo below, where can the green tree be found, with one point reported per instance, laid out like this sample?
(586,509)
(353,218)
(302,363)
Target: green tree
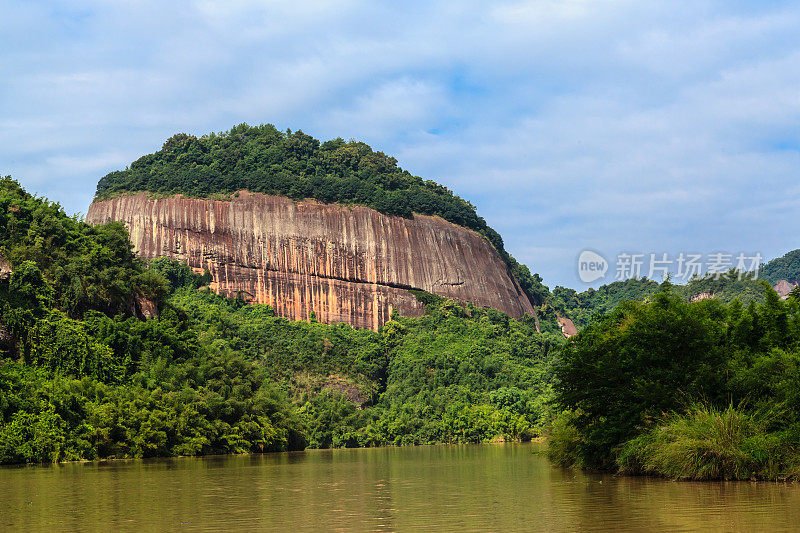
(641,361)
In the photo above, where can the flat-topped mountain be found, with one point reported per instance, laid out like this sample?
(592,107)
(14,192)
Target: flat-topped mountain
(331,228)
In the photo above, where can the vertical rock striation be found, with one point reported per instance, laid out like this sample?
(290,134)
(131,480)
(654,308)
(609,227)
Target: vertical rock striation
(346,264)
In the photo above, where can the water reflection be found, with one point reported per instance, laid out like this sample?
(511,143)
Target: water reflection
(439,488)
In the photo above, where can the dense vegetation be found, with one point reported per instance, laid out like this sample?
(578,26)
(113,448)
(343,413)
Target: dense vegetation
(263,159)
(726,288)
(83,374)
(654,384)
(786,267)
(701,390)
(457,374)
(584,307)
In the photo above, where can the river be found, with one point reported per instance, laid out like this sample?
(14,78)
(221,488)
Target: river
(435,488)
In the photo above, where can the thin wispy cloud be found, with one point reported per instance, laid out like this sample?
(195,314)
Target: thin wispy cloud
(615,125)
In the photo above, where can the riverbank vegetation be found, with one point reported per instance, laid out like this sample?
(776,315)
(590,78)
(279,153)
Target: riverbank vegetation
(700,390)
(102,355)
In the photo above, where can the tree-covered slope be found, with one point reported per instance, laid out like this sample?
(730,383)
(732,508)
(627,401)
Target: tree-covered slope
(86,267)
(786,267)
(263,159)
(458,374)
(583,307)
(84,375)
(589,305)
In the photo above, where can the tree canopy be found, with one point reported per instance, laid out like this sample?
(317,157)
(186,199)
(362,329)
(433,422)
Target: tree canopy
(697,390)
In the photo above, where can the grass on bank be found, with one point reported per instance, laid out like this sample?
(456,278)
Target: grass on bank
(703,444)
(708,443)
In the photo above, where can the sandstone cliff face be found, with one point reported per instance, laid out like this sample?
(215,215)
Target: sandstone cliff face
(347,264)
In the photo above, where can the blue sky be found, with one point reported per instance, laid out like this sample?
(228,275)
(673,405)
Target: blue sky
(614,125)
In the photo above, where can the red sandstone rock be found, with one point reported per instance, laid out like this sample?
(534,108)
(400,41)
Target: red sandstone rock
(567,327)
(783,288)
(347,264)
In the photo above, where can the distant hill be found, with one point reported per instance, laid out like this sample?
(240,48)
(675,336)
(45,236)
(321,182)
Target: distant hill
(583,307)
(782,268)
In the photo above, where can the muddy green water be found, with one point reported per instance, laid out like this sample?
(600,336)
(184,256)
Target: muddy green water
(434,488)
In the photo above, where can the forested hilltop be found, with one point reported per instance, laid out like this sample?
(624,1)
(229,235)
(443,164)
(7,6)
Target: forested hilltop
(786,267)
(85,375)
(263,159)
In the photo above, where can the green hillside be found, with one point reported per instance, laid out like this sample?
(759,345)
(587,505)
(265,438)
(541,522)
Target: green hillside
(584,307)
(786,267)
(83,375)
(686,390)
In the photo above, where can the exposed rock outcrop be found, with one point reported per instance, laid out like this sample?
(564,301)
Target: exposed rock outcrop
(346,264)
(783,288)
(5,268)
(568,328)
(144,308)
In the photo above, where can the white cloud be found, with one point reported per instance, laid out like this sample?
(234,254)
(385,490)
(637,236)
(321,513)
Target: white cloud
(398,105)
(612,124)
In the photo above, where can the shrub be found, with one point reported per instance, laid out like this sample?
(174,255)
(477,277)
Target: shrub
(710,444)
(563,440)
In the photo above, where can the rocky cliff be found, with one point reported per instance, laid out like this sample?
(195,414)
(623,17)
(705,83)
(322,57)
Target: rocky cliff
(346,264)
